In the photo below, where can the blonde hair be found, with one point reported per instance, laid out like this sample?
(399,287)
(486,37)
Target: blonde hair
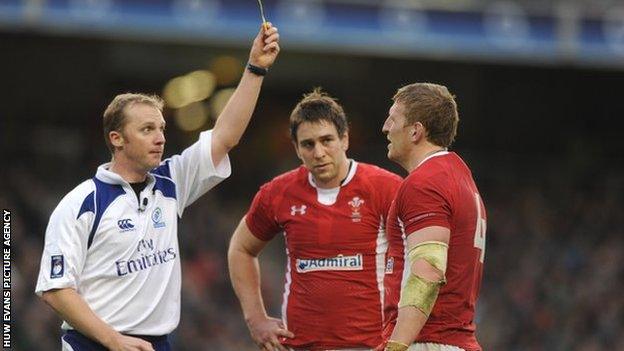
(433,106)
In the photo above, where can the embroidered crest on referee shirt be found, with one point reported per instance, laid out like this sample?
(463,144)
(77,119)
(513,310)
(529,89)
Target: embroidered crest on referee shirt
(157,218)
(355,204)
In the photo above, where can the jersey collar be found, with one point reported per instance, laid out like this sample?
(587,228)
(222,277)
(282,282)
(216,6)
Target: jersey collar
(104,174)
(435,154)
(352,169)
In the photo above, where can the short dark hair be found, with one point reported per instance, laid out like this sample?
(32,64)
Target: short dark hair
(433,106)
(115,116)
(315,107)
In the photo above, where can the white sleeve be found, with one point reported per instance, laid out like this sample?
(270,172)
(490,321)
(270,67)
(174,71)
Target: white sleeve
(65,248)
(194,172)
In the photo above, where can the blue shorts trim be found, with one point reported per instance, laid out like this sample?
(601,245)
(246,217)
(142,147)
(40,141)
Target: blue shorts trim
(80,342)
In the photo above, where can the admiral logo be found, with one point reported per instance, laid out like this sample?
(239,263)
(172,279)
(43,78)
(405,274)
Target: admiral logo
(301,210)
(125,224)
(157,218)
(355,204)
(338,263)
(57,268)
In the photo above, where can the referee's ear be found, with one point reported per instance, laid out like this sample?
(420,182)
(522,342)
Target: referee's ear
(116,139)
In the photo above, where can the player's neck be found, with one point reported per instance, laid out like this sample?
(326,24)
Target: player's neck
(421,153)
(341,176)
(126,170)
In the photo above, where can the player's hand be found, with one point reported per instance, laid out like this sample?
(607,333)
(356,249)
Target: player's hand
(266,333)
(265,46)
(129,343)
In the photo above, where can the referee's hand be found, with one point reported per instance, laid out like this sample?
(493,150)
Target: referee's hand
(129,343)
(266,333)
(265,47)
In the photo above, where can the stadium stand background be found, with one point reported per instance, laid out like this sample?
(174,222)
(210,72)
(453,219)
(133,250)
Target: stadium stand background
(539,87)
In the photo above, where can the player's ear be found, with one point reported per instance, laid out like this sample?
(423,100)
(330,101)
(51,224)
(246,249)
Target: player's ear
(344,141)
(418,133)
(296,146)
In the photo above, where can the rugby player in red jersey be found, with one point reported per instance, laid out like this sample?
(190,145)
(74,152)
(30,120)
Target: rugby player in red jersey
(332,212)
(436,228)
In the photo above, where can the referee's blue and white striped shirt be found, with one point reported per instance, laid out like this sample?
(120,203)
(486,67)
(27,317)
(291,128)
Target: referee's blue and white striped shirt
(121,254)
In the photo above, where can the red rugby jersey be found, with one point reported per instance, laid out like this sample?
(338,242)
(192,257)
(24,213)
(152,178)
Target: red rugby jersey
(440,192)
(336,252)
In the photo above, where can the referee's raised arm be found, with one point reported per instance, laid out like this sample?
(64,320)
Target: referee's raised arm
(237,112)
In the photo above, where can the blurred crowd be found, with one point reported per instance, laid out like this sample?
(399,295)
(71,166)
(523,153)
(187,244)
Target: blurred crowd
(554,269)
(554,263)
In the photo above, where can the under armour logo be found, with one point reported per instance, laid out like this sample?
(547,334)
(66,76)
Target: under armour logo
(301,210)
(125,224)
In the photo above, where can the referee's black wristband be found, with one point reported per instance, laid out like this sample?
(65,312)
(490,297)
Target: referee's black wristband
(259,71)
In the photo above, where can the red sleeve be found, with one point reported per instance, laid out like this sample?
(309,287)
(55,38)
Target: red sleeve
(423,203)
(260,218)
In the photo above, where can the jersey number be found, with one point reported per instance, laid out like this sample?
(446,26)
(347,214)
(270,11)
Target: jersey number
(479,238)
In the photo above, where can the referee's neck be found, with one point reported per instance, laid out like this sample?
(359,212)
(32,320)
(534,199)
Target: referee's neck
(127,171)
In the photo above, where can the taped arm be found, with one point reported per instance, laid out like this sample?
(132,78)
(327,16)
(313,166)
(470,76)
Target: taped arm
(427,252)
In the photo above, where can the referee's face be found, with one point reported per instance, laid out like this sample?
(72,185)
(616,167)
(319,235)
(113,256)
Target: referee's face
(143,137)
(323,152)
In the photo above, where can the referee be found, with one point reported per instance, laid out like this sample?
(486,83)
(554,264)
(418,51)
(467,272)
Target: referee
(110,267)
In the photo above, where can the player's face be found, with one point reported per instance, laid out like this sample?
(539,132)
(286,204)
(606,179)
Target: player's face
(399,133)
(323,152)
(143,138)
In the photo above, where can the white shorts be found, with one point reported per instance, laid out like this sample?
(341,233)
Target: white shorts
(433,347)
